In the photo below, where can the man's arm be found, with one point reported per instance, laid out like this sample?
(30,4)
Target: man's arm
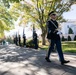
(50,27)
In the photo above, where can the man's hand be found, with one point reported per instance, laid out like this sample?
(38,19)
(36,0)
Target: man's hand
(59,33)
(50,31)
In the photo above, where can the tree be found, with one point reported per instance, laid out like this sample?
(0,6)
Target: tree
(5,19)
(13,0)
(8,15)
(63,39)
(72,1)
(41,8)
(38,10)
(69,38)
(75,38)
(70,31)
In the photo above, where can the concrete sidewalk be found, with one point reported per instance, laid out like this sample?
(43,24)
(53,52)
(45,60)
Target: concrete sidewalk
(16,60)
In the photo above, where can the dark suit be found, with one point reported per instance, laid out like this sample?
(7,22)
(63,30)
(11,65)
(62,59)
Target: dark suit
(24,40)
(52,30)
(35,40)
(19,40)
(55,39)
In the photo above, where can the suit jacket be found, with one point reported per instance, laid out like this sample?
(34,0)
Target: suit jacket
(52,32)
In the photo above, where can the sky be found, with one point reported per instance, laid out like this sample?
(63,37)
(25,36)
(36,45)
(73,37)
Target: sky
(71,15)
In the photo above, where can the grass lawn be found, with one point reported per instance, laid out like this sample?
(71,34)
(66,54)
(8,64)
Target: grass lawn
(67,46)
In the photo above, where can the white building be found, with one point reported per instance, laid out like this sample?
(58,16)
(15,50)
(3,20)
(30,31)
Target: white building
(65,28)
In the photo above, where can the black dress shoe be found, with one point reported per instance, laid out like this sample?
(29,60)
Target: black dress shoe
(64,62)
(47,59)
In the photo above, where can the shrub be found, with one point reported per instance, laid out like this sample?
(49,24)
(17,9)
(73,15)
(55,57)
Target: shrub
(63,39)
(30,44)
(69,38)
(75,38)
(70,31)
(10,40)
(1,40)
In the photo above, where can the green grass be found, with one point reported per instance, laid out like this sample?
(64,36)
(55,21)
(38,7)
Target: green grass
(44,47)
(68,46)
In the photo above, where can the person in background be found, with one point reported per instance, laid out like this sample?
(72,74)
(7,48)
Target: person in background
(35,40)
(19,38)
(24,40)
(16,39)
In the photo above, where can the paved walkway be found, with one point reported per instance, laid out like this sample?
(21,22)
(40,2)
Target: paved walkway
(24,61)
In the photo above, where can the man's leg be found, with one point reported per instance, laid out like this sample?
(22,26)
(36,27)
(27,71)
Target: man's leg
(50,49)
(59,49)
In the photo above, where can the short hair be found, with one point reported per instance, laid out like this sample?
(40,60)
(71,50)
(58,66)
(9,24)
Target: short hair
(52,12)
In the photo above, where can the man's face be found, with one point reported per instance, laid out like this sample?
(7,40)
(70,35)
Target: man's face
(53,16)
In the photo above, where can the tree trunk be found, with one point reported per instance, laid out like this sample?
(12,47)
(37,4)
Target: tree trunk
(44,30)
(43,40)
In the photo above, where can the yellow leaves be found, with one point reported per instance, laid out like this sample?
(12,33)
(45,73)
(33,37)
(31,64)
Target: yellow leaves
(1,35)
(14,6)
(3,26)
(14,9)
(5,19)
(2,10)
(23,21)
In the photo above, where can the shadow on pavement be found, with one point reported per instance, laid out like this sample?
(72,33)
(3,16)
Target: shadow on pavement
(6,72)
(31,60)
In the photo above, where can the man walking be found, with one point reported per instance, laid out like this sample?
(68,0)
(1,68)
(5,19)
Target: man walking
(54,36)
